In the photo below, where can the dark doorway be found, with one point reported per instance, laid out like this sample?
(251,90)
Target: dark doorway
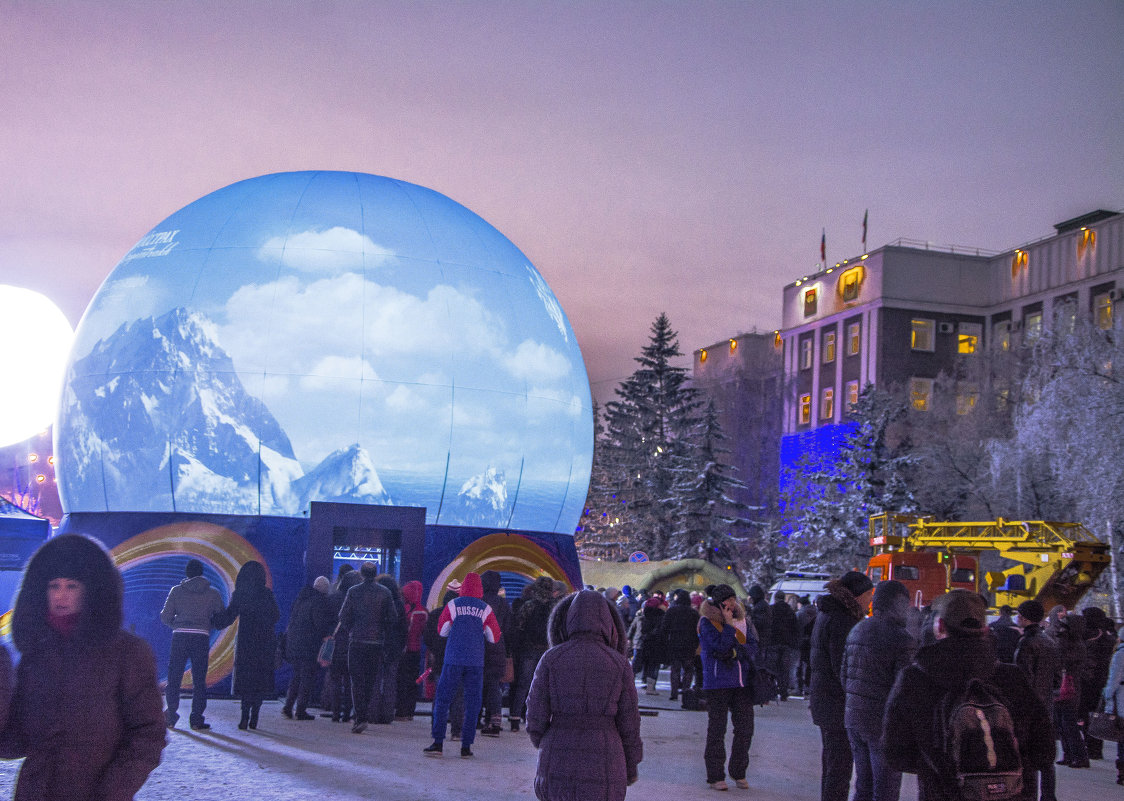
(391,536)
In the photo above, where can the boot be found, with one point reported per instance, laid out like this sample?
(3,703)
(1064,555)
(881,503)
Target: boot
(255,708)
(245,721)
(651,688)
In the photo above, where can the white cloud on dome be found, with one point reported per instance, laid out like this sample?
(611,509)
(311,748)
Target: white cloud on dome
(328,371)
(533,361)
(334,250)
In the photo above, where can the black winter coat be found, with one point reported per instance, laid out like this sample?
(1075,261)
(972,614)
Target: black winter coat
(256,610)
(839,612)
(762,616)
(877,649)
(1007,636)
(1040,660)
(310,621)
(785,629)
(679,630)
(913,738)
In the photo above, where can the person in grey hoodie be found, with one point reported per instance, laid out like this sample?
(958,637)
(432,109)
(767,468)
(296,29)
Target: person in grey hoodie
(188,613)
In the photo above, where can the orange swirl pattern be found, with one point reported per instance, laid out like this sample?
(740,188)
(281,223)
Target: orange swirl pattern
(503,552)
(222,549)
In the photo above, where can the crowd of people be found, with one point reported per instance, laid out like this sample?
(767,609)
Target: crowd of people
(972,708)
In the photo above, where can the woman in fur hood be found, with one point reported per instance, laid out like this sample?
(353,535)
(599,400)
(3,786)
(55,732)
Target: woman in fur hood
(729,643)
(87,712)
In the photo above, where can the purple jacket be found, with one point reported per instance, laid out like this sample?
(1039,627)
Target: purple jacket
(582,711)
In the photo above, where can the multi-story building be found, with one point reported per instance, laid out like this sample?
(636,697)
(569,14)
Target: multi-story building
(904,313)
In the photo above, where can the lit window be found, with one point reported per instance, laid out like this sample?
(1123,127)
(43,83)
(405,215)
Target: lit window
(1102,311)
(809,302)
(921,393)
(968,340)
(849,283)
(967,395)
(854,339)
(827,404)
(852,393)
(828,347)
(805,354)
(1001,335)
(1032,324)
(805,409)
(1002,398)
(921,336)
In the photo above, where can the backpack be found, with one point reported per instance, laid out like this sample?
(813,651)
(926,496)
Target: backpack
(980,744)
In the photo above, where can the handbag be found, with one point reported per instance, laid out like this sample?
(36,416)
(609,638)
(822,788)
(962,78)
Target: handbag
(327,649)
(1105,725)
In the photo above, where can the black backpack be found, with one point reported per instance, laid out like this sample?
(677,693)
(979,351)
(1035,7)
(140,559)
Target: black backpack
(980,744)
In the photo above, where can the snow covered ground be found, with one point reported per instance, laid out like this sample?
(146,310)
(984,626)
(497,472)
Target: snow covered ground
(287,760)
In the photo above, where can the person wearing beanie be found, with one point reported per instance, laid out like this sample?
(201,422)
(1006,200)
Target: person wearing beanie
(496,654)
(728,644)
(940,673)
(1040,659)
(86,713)
(841,609)
(468,624)
(877,648)
(1100,641)
(679,631)
(188,611)
(311,621)
(367,614)
(411,665)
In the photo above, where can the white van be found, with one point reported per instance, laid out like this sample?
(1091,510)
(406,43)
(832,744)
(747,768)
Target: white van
(797,583)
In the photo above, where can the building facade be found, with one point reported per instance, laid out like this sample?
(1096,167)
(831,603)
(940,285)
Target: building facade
(901,315)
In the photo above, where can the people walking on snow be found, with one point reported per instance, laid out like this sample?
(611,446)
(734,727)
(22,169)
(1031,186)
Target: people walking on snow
(529,641)
(877,648)
(468,624)
(384,699)
(310,623)
(647,646)
(410,667)
(1068,632)
(962,660)
(339,677)
(582,709)
(679,632)
(728,644)
(1038,657)
(187,611)
(784,649)
(252,604)
(841,609)
(495,654)
(368,614)
(85,714)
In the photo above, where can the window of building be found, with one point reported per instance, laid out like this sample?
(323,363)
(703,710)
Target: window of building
(1032,324)
(828,347)
(1102,311)
(968,339)
(852,393)
(849,284)
(921,393)
(854,339)
(922,335)
(805,409)
(827,404)
(805,353)
(809,302)
(1001,335)
(967,395)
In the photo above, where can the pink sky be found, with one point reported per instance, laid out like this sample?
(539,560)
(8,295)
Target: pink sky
(647,157)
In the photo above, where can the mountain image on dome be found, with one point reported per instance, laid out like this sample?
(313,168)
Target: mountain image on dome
(347,475)
(481,501)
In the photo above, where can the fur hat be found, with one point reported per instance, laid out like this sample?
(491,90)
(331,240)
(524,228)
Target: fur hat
(855,582)
(1032,610)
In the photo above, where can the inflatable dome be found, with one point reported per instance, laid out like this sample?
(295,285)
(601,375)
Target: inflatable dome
(327,336)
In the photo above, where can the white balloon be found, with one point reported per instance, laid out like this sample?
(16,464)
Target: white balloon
(36,339)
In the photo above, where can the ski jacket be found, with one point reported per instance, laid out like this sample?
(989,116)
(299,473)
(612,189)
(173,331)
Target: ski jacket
(467,623)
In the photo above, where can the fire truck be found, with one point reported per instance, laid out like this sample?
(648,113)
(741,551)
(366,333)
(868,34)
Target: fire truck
(1053,562)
